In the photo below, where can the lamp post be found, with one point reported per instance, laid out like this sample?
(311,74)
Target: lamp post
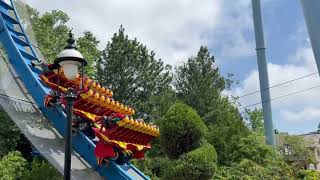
(70,60)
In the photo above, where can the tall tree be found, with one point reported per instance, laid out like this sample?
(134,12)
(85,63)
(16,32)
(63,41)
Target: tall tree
(50,30)
(226,128)
(254,120)
(198,82)
(88,46)
(133,73)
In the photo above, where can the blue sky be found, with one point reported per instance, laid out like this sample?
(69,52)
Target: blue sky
(176,29)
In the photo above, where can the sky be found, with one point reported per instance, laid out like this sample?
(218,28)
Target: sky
(175,30)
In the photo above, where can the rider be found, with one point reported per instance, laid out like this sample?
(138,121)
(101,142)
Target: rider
(106,122)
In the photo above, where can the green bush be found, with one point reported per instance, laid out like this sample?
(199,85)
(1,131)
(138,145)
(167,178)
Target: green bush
(40,169)
(182,130)
(252,170)
(226,173)
(226,128)
(197,164)
(308,175)
(12,166)
(246,169)
(278,168)
(153,167)
(252,149)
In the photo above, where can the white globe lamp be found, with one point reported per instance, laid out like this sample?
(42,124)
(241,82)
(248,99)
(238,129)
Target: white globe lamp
(70,59)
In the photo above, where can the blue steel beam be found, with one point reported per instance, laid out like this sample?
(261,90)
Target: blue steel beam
(263,72)
(311,12)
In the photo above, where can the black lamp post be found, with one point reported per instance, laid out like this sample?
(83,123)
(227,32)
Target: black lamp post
(70,60)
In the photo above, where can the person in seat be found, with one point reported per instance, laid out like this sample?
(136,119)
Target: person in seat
(106,122)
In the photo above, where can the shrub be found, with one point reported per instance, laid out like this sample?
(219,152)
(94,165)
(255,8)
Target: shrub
(40,169)
(182,130)
(226,128)
(252,149)
(308,174)
(153,167)
(197,164)
(12,166)
(226,173)
(252,170)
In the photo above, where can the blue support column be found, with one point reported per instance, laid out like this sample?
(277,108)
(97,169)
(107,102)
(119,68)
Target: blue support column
(263,73)
(311,12)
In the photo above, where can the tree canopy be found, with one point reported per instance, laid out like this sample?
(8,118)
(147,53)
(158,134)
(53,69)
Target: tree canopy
(12,166)
(197,164)
(254,120)
(226,128)
(198,83)
(50,30)
(88,47)
(133,73)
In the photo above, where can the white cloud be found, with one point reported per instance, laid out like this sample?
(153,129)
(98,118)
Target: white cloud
(302,63)
(305,115)
(173,29)
(299,107)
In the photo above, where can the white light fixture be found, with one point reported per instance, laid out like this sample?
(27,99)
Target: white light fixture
(70,59)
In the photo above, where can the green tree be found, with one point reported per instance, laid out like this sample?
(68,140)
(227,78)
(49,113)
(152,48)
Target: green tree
(308,175)
(9,133)
(197,164)
(198,82)
(12,166)
(228,173)
(278,168)
(253,149)
(50,30)
(162,102)
(255,120)
(226,128)
(42,170)
(182,130)
(252,170)
(88,46)
(133,73)
(273,168)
